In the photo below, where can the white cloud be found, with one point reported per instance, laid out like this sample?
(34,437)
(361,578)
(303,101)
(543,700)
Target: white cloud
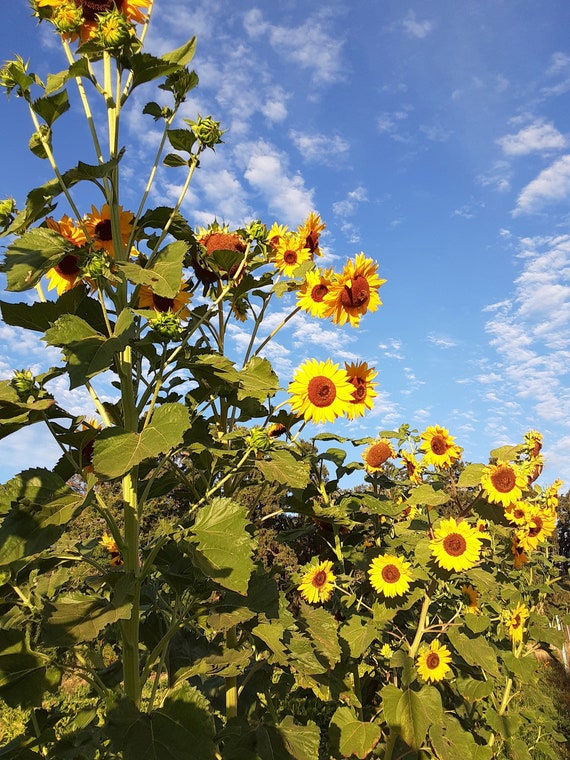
(538,137)
(551,185)
(441,341)
(318,147)
(415,28)
(349,205)
(497,177)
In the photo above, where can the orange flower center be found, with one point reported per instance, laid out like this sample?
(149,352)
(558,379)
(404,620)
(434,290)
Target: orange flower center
(356,296)
(319,579)
(223,241)
(454,544)
(103,230)
(161,303)
(359,392)
(319,292)
(518,514)
(290,257)
(377,454)
(68,266)
(438,445)
(504,479)
(535,527)
(390,574)
(321,391)
(432,660)
(92,8)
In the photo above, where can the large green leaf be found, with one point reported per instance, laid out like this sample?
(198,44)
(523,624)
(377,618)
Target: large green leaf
(164,275)
(323,630)
(183,727)
(30,256)
(41,315)
(76,618)
(358,634)
(117,451)
(428,495)
(224,544)
(24,675)
(352,737)
(416,711)
(450,740)
(257,380)
(146,67)
(470,477)
(475,651)
(157,218)
(287,741)
(51,107)
(15,414)
(283,467)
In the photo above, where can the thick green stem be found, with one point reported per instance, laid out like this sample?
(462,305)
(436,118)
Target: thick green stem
(390,744)
(231,682)
(422,621)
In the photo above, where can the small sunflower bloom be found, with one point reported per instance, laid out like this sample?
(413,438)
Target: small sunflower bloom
(386,651)
(439,448)
(361,377)
(289,254)
(503,483)
(413,467)
(317,583)
(377,454)
(108,542)
(533,443)
(551,494)
(320,391)
(354,292)
(470,598)
(67,272)
(275,233)
(98,226)
(310,231)
(311,296)
(433,663)
(390,575)
(455,546)
(538,526)
(515,621)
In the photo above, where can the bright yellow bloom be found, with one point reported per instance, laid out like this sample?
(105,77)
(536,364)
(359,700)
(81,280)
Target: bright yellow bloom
(313,291)
(65,275)
(539,525)
(470,598)
(503,483)
(377,454)
(320,391)
(518,513)
(275,233)
(439,447)
(108,542)
(455,546)
(361,378)
(482,531)
(98,226)
(354,291)
(318,582)
(390,575)
(533,443)
(310,231)
(433,663)
(515,621)
(150,300)
(551,494)
(413,467)
(289,254)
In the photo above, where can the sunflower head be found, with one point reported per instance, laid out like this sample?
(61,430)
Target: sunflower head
(320,391)
(390,575)
(289,254)
(433,663)
(456,545)
(207,131)
(310,231)
(311,295)
(100,229)
(377,454)
(515,620)
(439,448)
(317,583)
(470,598)
(503,483)
(354,291)
(413,467)
(361,377)
(148,299)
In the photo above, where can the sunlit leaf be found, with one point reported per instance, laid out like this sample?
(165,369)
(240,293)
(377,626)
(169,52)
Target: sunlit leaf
(352,737)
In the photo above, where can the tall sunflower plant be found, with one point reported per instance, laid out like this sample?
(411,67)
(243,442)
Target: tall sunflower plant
(135,573)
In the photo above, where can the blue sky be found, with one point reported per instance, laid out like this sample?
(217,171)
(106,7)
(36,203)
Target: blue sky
(433,136)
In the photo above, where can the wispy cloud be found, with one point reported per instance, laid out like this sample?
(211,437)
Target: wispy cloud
(552,185)
(413,27)
(538,137)
(319,148)
(441,341)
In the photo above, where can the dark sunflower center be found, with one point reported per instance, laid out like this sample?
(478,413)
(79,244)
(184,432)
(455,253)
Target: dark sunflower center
(92,8)
(390,573)
(290,257)
(504,479)
(319,292)
(161,303)
(356,296)
(321,391)
(319,579)
(359,392)
(432,661)
(68,266)
(378,454)
(454,544)
(87,452)
(438,445)
(518,514)
(103,230)
(312,241)
(535,527)
(516,621)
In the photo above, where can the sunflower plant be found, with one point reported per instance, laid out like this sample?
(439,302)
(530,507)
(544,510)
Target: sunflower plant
(409,609)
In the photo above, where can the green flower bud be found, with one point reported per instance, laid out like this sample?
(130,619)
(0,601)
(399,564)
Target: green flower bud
(98,264)
(14,75)
(24,383)
(256,230)
(207,131)
(113,30)
(7,208)
(167,325)
(67,18)
(258,440)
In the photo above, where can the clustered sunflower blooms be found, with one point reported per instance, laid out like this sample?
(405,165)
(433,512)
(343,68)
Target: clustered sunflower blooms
(433,663)
(439,448)
(377,454)
(503,483)
(317,583)
(515,621)
(361,377)
(83,18)
(390,575)
(456,545)
(320,391)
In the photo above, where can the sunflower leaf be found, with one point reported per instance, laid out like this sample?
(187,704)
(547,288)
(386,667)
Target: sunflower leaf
(164,274)
(352,737)
(51,107)
(30,256)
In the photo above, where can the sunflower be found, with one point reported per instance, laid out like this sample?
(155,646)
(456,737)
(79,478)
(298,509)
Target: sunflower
(320,391)
(413,467)
(518,513)
(533,443)
(66,273)
(150,300)
(482,530)
(87,449)
(539,525)
(310,231)
(439,447)
(217,238)
(470,598)
(354,291)
(108,542)
(503,483)
(91,9)
(98,226)
(455,546)
(376,454)
(318,582)
(361,378)
(514,621)
(390,575)
(433,663)
(551,494)
(289,254)
(313,291)
(275,233)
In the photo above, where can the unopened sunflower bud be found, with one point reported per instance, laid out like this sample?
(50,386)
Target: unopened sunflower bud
(258,439)
(113,29)
(98,264)
(14,75)
(167,325)
(256,231)
(67,17)
(7,208)
(24,383)
(206,130)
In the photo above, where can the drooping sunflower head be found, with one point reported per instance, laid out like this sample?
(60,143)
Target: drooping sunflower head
(311,295)
(390,575)
(377,454)
(99,227)
(515,620)
(217,239)
(317,583)
(148,299)
(66,274)
(289,254)
(354,291)
(310,231)
(503,483)
(439,448)
(470,597)
(361,377)
(320,391)
(433,663)
(413,467)
(456,545)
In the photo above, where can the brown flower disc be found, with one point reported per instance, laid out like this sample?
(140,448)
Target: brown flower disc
(504,479)
(321,391)
(454,544)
